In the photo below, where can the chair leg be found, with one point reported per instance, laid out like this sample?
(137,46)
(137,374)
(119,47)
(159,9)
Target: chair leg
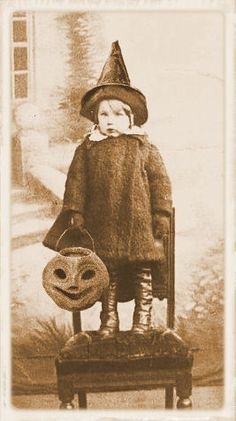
(66,393)
(184,390)
(67,405)
(82,399)
(169,396)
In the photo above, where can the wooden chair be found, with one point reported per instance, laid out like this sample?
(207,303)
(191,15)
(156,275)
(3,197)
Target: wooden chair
(128,362)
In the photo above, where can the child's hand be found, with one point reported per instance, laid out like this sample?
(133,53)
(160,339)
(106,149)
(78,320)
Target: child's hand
(159,249)
(161,226)
(77,220)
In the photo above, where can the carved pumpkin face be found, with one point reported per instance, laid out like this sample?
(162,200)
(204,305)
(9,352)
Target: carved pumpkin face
(75,279)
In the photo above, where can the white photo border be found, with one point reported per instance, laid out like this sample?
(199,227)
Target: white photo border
(227,8)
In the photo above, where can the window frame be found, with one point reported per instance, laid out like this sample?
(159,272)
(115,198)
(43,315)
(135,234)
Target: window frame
(28,44)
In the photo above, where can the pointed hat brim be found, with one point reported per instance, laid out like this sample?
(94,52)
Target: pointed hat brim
(127,94)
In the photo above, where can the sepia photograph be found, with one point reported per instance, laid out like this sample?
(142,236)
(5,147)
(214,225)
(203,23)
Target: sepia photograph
(119,180)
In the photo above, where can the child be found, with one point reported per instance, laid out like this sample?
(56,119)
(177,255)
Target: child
(118,189)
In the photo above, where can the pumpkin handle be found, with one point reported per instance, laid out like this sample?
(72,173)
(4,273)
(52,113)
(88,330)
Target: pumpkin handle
(68,229)
(91,238)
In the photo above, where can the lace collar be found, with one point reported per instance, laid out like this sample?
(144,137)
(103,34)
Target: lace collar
(95,134)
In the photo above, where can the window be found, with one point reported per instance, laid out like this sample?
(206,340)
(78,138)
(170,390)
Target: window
(21,55)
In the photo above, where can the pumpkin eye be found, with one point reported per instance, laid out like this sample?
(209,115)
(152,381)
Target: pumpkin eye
(88,274)
(60,273)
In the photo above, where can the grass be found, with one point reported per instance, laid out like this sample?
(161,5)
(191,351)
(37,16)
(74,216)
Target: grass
(47,339)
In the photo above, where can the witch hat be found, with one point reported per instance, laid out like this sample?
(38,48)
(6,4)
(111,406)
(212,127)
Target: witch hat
(114,83)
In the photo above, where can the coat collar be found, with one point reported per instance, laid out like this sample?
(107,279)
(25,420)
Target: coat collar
(96,136)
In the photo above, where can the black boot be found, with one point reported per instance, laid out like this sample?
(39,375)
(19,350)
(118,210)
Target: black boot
(143,302)
(109,315)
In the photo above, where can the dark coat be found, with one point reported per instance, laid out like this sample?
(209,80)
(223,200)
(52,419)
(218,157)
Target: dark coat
(117,185)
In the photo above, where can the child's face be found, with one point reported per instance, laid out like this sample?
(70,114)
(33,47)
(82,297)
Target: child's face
(112,117)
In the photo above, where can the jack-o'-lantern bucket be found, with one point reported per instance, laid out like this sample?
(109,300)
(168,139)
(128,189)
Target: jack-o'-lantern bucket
(75,279)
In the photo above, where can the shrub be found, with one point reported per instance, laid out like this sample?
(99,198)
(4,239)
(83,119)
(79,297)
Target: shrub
(46,339)
(203,323)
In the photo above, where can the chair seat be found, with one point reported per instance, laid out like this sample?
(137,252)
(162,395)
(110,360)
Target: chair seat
(88,363)
(89,345)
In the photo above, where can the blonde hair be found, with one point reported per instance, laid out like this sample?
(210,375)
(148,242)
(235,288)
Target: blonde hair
(117,105)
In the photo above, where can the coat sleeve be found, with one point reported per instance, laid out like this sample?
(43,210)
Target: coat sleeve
(159,182)
(75,187)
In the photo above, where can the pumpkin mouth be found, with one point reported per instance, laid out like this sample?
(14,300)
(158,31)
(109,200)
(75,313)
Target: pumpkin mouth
(73,296)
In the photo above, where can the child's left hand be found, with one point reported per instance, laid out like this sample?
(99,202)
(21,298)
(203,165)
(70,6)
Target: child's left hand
(161,226)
